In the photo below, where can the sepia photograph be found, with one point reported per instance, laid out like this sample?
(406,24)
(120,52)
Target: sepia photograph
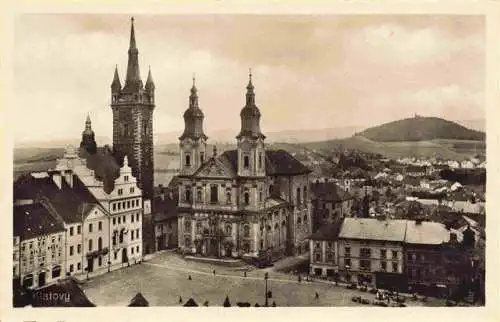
(248,160)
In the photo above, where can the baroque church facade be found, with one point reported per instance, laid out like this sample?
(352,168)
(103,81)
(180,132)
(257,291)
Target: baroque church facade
(245,203)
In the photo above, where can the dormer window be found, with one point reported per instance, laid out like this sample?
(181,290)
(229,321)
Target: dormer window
(132,190)
(246,162)
(188,160)
(125,178)
(120,192)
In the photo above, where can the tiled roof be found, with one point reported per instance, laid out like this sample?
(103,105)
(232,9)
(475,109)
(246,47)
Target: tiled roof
(278,162)
(327,232)
(373,229)
(34,220)
(104,165)
(426,232)
(329,191)
(67,287)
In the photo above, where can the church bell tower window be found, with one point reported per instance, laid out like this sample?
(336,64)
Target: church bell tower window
(246,162)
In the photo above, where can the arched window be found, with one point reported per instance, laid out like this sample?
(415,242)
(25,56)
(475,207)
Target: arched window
(187,241)
(114,237)
(305,219)
(246,162)
(99,243)
(228,195)
(90,245)
(229,230)
(299,221)
(187,225)
(246,231)
(121,235)
(246,196)
(298,196)
(198,195)
(188,195)
(305,194)
(188,160)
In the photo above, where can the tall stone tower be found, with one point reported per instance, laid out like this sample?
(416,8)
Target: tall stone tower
(133,107)
(193,139)
(251,153)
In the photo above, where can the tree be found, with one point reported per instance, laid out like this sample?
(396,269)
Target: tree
(226,302)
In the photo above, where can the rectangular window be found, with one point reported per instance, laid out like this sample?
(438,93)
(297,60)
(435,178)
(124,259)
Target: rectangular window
(124,219)
(90,228)
(132,250)
(347,251)
(138,216)
(347,262)
(90,245)
(71,267)
(383,253)
(394,267)
(365,265)
(100,225)
(132,190)
(329,257)
(79,248)
(125,178)
(214,194)
(260,160)
(119,206)
(137,233)
(114,207)
(114,221)
(78,266)
(383,265)
(132,235)
(137,249)
(120,192)
(115,255)
(119,220)
(71,231)
(70,250)
(100,261)
(128,204)
(317,257)
(78,229)
(365,252)
(132,218)
(395,254)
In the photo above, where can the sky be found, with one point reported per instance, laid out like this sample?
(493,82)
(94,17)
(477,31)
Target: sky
(309,71)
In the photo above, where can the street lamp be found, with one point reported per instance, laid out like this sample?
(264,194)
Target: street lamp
(266,277)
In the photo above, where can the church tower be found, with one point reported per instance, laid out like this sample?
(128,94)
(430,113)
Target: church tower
(133,107)
(251,152)
(193,140)
(88,138)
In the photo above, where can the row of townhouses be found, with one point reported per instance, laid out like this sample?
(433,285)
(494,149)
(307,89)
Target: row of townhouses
(66,222)
(393,254)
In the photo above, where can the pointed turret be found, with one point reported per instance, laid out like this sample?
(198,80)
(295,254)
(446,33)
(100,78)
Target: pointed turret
(150,85)
(116,85)
(88,138)
(133,81)
(193,117)
(250,114)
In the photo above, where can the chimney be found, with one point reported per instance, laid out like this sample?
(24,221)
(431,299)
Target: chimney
(57,178)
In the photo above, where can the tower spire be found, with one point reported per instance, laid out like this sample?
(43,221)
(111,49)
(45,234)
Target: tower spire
(193,98)
(150,85)
(116,85)
(88,123)
(250,93)
(133,81)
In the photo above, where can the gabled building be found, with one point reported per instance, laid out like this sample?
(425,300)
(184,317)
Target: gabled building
(248,202)
(330,203)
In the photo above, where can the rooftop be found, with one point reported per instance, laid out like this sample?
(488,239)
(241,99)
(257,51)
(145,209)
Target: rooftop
(35,220)
(428,233)
(328,232)
(373,229)
(329,191)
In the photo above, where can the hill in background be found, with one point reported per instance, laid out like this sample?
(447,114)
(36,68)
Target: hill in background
(421,129)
